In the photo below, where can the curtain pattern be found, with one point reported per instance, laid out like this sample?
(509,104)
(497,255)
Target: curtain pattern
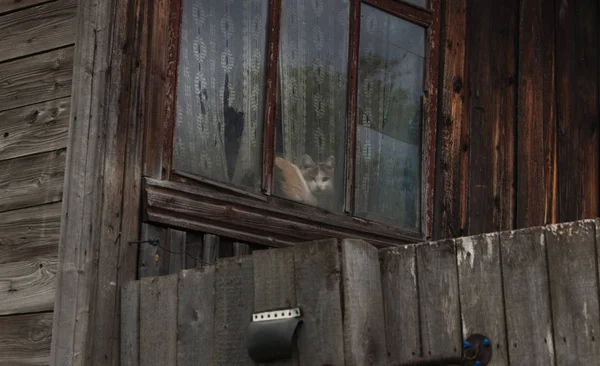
(220,103)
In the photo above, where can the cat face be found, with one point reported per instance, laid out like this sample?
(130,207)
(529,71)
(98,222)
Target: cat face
(318,176)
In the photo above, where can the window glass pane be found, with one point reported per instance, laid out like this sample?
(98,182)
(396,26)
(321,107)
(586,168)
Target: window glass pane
(390,88)
(311,128)
(220,95)
(421,3)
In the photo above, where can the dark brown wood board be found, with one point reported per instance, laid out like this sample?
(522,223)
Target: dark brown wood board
(130,324)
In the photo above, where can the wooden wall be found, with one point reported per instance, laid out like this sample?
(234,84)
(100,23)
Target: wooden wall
(519,140)
(36,60)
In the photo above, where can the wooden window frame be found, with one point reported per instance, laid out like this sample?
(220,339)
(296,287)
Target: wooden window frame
(188,201)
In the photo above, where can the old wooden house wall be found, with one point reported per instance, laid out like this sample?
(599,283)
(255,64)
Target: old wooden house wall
(519,140)
(36,59)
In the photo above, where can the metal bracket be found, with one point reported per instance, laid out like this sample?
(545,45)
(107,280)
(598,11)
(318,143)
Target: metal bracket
(270,334)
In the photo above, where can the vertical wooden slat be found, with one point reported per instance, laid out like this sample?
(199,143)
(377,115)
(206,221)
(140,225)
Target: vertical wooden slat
(195,316)
(274,284)
(177,255)
(527,297)
(158,320)
(364,330)
(574,289)
(401,303)
(492,73)
(210,247)
(240,249)
(439,298)
(148,265)
(130,324)
(317,276)
(577,109)
(193,248)
(234,283)
(449,205)
(480,288)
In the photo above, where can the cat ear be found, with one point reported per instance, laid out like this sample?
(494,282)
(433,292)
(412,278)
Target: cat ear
(307,160)
(330,162)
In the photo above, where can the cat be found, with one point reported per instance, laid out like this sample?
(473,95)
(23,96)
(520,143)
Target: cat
(309,182)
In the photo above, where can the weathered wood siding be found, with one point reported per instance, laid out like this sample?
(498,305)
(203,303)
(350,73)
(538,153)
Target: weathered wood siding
(533,291)
(519,128)
(36,62)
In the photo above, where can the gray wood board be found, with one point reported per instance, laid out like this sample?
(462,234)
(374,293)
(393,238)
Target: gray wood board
(130,324)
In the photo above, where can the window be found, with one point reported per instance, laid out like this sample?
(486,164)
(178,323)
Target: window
(329,104)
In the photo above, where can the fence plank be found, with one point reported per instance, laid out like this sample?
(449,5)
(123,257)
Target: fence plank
(158,320)
(274,284)
(148,265)
(176,239)
(195,319)
(364,329)
(25,339)
(480,285)
(233,310)
(317,275)
(210,249)
(193,249)
(240,249)
(439,298)
(401,303)
(574,289)
(526,297)
(130,324)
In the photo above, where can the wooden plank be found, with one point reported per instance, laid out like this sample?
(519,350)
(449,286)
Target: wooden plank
(130,324)
(532,109)
(32,180)
(480,285)
(240,249)
(274,286)
(210,246)
(195,319)
(492,30)
(176,240)
(29,232)
(439,298)
(12,5)
(148,264)
(234,279)
(527,297)
(28,286)
(25,339)
(401,303)
(577,68)
(34,129)
(450,208)
(36,79)
(37,29)
(574,288)
(364,329)
(158,320)
(318,273)
(193,248)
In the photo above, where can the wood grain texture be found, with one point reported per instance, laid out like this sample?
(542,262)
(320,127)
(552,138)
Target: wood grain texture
(158,320)
(577,68)
(574,288)
(401,303)
(492,73)
(195,319)
(12,5)
(34,129)
(29,232)
(210,249)
(25,339)
(234,279)
(318,274)
(148,265)
(480,285)
(193,247)
(364,329)
(176,242)
(240,249)
(439,298)
(37,29)
(32,180)
(130,324)
(450,206)
(527,297)
(28,286)
(274,286)
(36,79)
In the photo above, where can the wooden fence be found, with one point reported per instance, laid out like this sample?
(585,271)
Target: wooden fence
(534,292)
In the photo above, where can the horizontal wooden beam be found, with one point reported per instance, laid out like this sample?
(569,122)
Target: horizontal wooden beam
(34,129)
(37,29)
(36,79)
(275,223)
(25,339)
(13,5)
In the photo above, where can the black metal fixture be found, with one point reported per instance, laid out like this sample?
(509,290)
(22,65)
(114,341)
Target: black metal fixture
(270,335)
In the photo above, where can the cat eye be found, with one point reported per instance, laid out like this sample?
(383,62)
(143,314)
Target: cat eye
(325,179)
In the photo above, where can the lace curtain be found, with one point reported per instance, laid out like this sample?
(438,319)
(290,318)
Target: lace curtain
(220,102)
